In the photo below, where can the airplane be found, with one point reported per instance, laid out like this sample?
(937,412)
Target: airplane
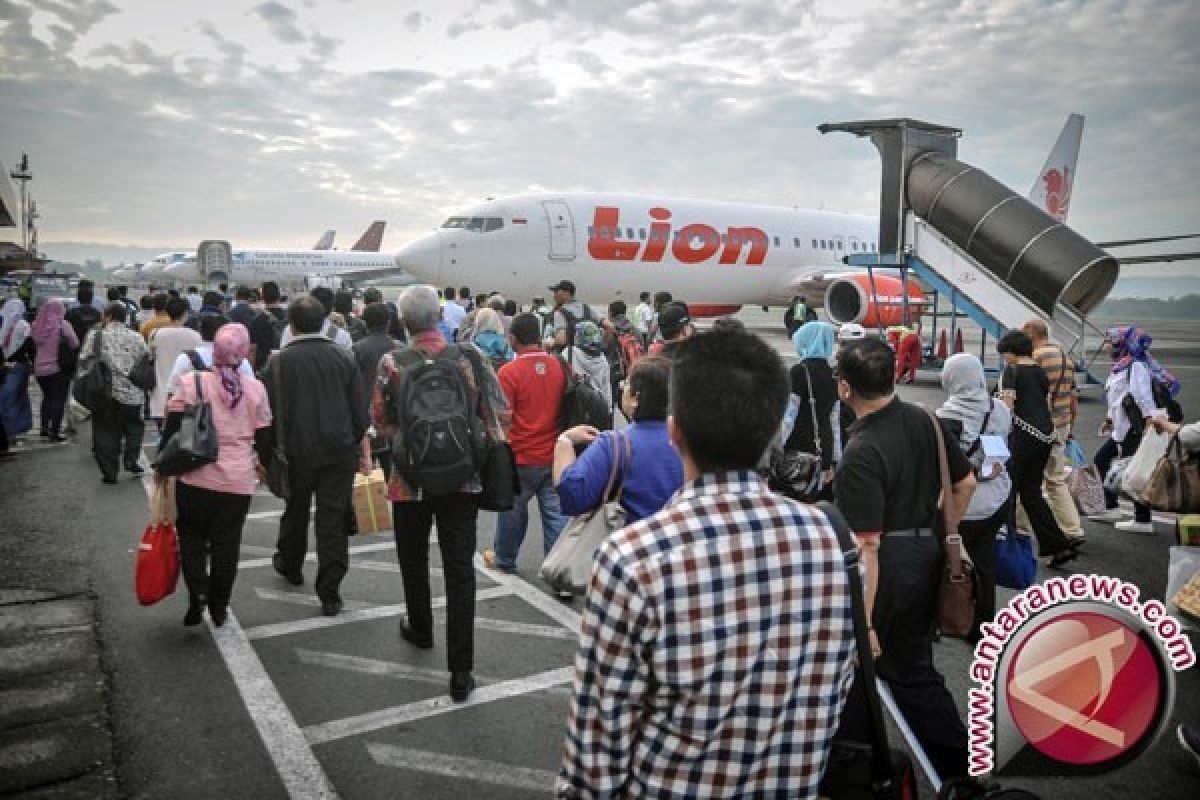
(290,267)
(326,241)
(717,256)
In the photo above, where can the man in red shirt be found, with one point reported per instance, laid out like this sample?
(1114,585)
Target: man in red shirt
(533,383)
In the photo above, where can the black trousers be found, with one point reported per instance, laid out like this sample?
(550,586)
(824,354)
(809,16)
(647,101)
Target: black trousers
(456,516)
(1027,467)
(117,433)
(332,486)
(1109,452)
(903,618)
(979,537)
(210,528)
(54,400)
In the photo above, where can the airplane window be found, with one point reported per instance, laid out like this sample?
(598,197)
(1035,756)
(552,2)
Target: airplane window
(839,244)
(493,224)
(814,244)
(795,242)
(629,233)
(591,232)
(475,224)
(677,236)
(455,222)
(642,234)
(824,245)
(777,241)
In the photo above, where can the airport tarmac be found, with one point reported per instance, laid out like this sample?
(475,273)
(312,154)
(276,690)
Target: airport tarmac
(283,702)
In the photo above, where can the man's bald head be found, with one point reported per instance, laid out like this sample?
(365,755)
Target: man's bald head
(1036,329)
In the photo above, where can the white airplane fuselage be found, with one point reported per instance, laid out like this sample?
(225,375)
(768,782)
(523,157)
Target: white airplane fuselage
(618,245)
(289,266)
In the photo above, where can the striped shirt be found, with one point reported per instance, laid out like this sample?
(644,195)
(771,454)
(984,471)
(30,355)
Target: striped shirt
(1061,373)
(715,650)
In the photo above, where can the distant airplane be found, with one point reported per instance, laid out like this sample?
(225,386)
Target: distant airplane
(372,238)
(326,241)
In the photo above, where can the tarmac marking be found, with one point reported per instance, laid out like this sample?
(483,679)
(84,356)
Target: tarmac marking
(392,669)
(472,769)
(298,768)
(312,557)
(551,607)
(302,599)
(375,612)
(334,730)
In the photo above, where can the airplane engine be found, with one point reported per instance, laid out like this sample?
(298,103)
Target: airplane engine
(850,298)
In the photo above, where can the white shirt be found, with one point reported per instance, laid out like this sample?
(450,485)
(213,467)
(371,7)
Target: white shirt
(183,365)
(642,316)
(195,302)
(339,336)
(453,314)
(1136,381)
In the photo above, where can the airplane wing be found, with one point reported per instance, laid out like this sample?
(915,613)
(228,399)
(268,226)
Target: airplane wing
(1147,240)
(1160,257)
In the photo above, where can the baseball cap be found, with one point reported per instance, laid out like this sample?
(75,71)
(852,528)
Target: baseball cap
(672,318)
(563,286)
(850,332)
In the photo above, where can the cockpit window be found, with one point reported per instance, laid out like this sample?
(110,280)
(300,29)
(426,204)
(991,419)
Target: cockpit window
(455,222)
(493,224)
(475,224)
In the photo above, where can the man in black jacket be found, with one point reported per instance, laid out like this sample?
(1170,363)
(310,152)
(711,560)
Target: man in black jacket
(316,393)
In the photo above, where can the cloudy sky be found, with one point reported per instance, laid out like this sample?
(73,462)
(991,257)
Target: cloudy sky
(152,122)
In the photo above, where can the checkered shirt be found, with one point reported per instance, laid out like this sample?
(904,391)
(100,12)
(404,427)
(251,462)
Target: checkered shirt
(715,651)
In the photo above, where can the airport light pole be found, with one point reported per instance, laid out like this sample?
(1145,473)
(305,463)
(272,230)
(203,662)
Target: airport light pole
(24,176)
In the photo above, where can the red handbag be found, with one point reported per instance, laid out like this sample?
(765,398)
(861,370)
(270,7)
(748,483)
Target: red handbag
(157,569)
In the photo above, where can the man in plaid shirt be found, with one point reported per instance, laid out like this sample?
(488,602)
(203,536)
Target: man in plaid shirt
(715,651)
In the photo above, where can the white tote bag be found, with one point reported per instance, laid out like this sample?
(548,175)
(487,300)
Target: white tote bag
(1152,448)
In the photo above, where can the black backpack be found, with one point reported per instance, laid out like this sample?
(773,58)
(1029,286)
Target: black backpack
(1162,399)
(441,440)
(582,403)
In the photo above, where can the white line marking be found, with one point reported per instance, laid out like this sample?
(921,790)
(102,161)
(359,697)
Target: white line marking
(526,629)
(298,768)
(345,618)
(302,599)
(556,610)
(423,709)
(393,669)
(312,557)
(472,769)
(257,549)
(293,759)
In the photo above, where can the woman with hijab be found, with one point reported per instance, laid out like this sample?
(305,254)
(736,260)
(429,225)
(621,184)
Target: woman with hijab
(213,500)
(586,357)
(815,392)
(1136,390)
(50,331)
(970,412)
(16,414)
(490,337)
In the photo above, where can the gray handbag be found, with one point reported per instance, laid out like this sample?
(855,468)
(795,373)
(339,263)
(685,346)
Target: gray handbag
(195,443)
(568,565)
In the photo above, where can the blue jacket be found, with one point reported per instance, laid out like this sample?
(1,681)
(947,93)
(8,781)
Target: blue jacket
(654,475)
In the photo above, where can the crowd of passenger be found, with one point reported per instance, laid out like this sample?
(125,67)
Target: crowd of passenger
(716,640)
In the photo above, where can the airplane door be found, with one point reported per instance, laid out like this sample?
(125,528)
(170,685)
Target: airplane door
(562,230)
(839,247)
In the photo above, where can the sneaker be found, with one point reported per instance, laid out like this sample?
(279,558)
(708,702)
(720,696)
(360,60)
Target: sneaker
(331,607)
(1133,526)
(1189,737)
(294,578)
(1111,515)
(461,684)
(489,558)
(408,634)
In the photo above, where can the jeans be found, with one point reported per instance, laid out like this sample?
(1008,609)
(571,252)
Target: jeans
(511,525)
(1105,456)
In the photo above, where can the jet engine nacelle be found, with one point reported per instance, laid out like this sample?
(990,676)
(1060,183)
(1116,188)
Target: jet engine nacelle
(851,298)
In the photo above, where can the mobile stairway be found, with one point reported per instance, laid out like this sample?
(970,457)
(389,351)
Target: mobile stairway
(1000,260)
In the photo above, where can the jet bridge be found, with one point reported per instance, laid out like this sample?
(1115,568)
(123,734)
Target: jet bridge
(1001,259)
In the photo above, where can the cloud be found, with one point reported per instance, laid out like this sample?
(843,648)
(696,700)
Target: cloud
(281,21)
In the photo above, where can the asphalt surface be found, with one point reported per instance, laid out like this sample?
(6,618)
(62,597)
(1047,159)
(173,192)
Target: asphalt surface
(279,703)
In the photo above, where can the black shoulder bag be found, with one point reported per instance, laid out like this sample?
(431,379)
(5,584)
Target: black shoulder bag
(858,770)
(195,443)
(93,388)
(795,473)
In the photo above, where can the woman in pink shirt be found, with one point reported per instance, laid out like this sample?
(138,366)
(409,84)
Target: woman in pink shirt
(213,500)
(50,328)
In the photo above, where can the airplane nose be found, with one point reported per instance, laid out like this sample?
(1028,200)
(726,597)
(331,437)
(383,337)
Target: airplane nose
(422,257)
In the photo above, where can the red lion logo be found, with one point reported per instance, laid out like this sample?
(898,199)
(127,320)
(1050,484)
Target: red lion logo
(1058,192)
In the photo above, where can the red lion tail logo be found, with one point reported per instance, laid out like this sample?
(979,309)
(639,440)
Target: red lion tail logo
(1058,192)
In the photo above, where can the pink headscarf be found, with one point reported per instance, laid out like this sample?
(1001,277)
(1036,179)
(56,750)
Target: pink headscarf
(231,345)
(48,321)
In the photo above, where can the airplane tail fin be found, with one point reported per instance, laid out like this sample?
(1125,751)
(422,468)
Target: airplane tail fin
(1051,190)
(372,239)
(326,241)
